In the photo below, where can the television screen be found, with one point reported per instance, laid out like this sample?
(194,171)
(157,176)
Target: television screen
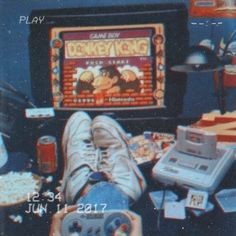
(113,67)
(112,60)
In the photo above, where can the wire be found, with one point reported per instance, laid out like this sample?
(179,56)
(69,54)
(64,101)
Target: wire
(160,210)
(228,42)
(8,88)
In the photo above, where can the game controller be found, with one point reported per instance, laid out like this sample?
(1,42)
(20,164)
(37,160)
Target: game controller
(96,224)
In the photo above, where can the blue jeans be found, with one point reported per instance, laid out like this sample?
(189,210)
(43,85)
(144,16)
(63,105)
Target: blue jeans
(105,196)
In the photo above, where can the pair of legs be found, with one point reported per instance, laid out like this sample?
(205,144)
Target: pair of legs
(97,165)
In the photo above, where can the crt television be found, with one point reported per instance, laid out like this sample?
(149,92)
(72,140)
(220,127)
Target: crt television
(112,60)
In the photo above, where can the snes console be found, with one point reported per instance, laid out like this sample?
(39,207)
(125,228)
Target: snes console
(195,161)
(105,223)
(196,142)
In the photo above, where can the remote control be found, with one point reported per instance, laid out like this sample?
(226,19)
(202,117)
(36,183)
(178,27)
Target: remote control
(96,224)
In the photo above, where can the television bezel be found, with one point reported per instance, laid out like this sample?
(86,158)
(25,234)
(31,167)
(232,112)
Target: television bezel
(172,16)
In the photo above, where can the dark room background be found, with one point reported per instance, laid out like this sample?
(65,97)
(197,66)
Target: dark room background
(15,55)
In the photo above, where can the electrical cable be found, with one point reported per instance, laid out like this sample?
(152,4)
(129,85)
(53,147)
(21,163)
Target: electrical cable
(160,210)
(12,106)
(9,89)
(228,42)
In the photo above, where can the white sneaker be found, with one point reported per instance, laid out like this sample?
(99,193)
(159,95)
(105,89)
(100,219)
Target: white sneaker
(106,132)
(122,171)
(115,160)
(80,156)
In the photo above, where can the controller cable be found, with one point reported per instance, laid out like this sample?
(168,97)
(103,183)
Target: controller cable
(160,210)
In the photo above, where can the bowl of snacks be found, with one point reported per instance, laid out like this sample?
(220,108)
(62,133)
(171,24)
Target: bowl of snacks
(18,187)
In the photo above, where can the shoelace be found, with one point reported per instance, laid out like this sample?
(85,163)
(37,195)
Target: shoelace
(106,163)
(89,154)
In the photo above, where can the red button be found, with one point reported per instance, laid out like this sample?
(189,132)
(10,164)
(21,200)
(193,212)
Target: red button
(124,227)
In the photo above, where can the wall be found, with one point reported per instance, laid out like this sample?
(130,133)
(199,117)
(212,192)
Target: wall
(14,48)
(200,90)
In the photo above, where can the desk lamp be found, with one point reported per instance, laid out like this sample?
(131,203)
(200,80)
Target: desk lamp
(202,59)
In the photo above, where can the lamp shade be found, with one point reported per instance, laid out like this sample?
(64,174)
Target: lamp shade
(199,59)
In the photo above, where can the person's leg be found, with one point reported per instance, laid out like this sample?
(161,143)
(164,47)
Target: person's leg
(80,156)
(111,158)
(104,196)
(115,159)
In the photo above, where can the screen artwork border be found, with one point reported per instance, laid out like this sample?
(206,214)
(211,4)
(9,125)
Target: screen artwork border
(66,70)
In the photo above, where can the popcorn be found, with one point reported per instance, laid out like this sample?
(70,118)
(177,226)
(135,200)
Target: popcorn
(16,187)
(16,218)
(49,179)
(40,212)
(47,193)
(58,188)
